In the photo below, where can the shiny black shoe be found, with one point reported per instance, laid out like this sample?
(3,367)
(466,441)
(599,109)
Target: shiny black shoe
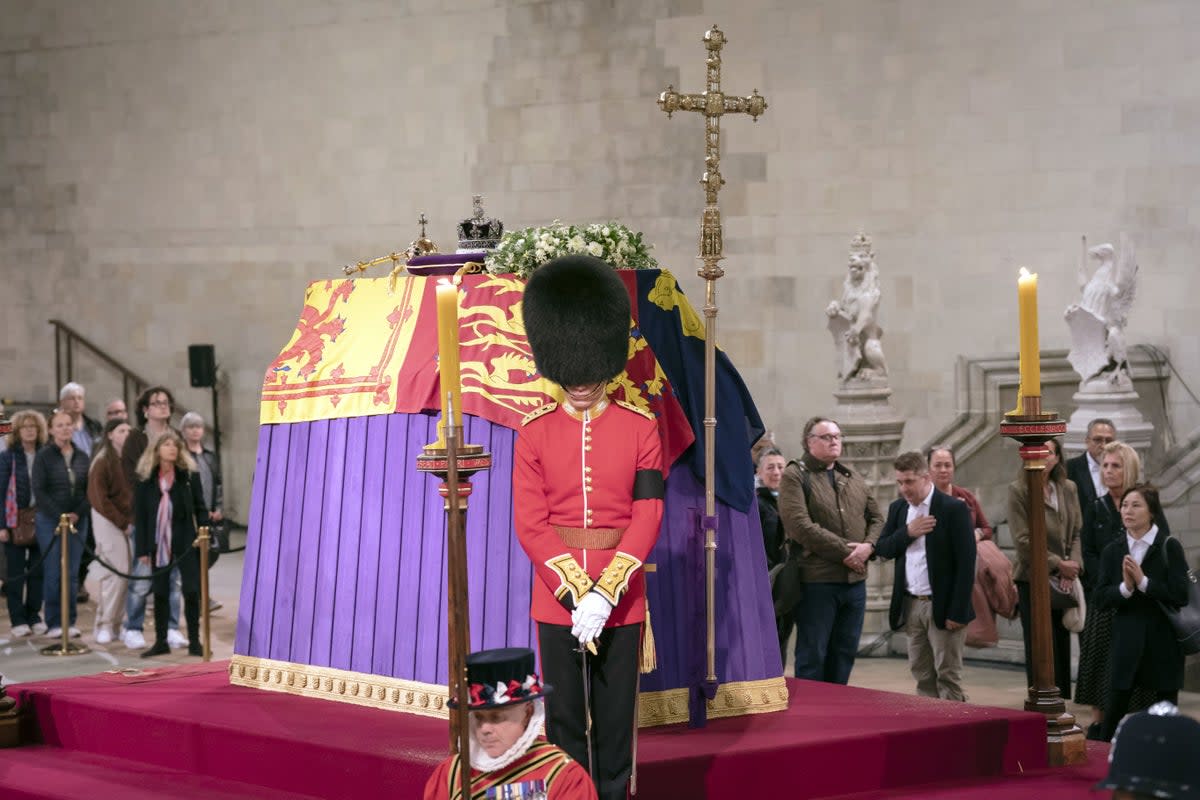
(159,649)
(195,649)
(1095,732)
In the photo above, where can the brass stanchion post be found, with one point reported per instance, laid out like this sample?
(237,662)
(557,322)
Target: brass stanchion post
(202,542)
(1064,739)
(65,647)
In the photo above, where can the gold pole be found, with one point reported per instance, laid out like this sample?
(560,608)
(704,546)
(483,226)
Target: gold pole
(713,103)
(202,541)
(456,600)
(66,647)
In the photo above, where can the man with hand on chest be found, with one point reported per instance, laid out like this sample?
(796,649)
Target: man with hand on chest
(930,536)
(588,486)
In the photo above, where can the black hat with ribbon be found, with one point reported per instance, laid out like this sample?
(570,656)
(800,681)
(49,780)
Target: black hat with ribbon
(502,677)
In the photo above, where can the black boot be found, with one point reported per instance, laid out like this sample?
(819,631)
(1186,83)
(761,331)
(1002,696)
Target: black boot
(159,648)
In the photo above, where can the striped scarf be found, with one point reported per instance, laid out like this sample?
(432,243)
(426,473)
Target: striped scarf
(162,527)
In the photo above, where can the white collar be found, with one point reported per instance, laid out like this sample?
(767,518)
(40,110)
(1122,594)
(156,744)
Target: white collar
(927,500)
(1147,539)
(481,761)
(1093,464)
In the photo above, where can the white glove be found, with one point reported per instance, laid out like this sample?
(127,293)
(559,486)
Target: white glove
(588,618)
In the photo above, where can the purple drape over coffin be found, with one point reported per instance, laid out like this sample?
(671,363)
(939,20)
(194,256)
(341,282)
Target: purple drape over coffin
(345,562)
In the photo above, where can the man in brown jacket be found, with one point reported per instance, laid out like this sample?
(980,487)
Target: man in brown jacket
(828,509)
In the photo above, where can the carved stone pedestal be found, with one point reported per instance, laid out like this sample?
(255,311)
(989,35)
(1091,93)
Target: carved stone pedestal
(871,431)
(1115,400)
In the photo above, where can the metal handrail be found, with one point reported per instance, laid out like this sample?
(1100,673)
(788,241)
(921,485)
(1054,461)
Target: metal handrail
(65,339)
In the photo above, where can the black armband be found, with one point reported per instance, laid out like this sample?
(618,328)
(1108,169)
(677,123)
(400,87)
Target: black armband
(648,485)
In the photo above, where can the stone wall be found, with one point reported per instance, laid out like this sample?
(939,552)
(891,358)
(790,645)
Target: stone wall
(174,173)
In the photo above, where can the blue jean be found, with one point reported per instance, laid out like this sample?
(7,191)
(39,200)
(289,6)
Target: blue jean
(135,600)
(829,621)
(24,593)
(52,570)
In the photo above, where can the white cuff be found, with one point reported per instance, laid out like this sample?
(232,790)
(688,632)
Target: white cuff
(1124,590)
(1143,584)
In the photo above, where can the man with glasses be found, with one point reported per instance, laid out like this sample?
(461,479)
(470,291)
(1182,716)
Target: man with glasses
(1084,469)
(828,509)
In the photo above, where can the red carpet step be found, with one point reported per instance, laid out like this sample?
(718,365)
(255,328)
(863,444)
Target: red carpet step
(187,724)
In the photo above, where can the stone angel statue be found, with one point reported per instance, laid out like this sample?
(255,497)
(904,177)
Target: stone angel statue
(853,319)
(1097,321)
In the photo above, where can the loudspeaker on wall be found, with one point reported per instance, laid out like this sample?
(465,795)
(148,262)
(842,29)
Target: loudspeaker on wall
(202,363)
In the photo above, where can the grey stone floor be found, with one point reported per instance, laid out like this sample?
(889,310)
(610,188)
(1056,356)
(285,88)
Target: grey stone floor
(20,660)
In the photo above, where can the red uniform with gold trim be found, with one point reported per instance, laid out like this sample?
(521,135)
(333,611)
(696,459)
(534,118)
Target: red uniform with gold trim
(573,473)
(544,772)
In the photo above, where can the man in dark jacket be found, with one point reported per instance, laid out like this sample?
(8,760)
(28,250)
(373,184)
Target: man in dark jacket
(930,536)
(829,510)
(1084,468)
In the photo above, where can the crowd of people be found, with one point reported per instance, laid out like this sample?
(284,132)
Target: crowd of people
(134,496)
(1105,529)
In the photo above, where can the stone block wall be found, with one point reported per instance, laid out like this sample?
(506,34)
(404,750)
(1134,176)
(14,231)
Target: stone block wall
(176,173)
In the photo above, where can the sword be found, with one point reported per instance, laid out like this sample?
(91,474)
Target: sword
(587,704)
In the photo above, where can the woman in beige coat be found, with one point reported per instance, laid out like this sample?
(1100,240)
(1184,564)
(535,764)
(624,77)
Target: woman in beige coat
(1063,523)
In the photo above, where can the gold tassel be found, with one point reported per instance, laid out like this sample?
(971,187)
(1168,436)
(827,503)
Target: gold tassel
(649,656)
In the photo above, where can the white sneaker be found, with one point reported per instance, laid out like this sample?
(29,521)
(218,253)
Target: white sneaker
(21,631)
(54,632)
(134,640)
(39,629)
(104,635)
(176,639)
(73,632)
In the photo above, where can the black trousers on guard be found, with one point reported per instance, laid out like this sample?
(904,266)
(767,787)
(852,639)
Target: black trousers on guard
(613,674)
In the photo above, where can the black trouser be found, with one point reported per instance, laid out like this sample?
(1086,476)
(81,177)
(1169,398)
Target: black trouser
(1118,705)
(1060,638)
(189,579)
(613,674)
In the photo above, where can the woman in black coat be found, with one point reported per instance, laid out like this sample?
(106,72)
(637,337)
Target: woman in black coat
(1138,571)
(168,505)
(60,473)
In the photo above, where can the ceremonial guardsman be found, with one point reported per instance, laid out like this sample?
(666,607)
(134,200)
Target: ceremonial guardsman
(588,501)
(510,760)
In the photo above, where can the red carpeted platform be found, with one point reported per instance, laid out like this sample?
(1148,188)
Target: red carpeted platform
(187,728)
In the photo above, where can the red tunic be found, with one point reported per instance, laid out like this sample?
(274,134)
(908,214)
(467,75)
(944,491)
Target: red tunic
(572,474)
(544,768)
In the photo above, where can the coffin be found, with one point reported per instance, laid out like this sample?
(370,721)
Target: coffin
(344,587)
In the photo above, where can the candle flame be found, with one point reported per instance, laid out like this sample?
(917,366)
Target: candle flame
(1024,272)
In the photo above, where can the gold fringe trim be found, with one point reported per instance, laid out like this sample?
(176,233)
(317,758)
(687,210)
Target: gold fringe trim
(343,686)
(670,706)
(666,707)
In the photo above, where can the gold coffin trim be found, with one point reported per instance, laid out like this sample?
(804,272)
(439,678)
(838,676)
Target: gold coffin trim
(429,699)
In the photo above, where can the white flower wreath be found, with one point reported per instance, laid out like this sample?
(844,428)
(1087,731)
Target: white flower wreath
(523,251)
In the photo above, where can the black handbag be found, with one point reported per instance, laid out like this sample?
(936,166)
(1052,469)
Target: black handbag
(786,586)
(1060,600)
(1185,620)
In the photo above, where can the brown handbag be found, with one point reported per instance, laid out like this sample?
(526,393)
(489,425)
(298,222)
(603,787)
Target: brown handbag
(24,534)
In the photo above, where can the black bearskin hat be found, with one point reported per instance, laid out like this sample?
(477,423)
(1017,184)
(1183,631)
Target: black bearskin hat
(577,320)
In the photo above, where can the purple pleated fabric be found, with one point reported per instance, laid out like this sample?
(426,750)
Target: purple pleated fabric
(346,561)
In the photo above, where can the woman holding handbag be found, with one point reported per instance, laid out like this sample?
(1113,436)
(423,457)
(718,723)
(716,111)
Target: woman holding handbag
(168,505)
(1139,573)
(21,552)
(1063,521)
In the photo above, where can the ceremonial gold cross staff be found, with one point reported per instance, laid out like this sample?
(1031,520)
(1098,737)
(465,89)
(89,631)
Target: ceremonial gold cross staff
(713,104)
